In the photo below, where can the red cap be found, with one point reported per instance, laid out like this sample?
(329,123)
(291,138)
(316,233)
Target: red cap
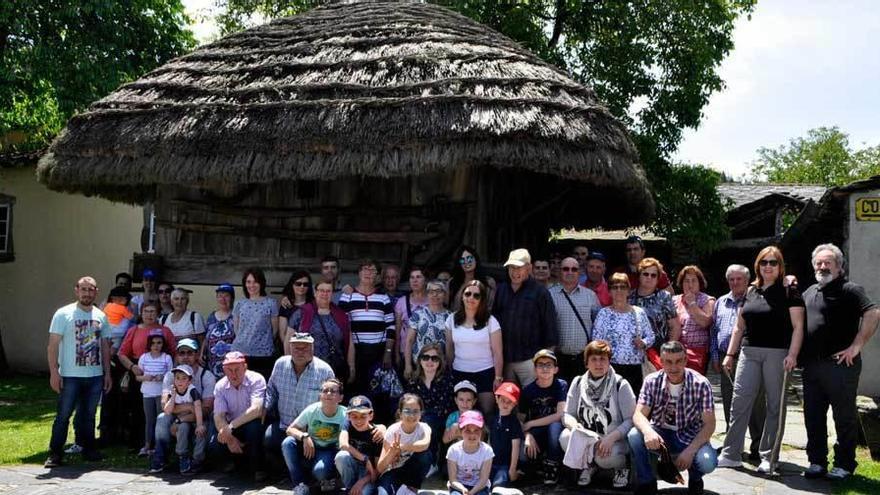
(509,390)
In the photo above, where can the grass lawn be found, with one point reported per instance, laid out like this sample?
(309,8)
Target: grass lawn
(27,409)
(866,479)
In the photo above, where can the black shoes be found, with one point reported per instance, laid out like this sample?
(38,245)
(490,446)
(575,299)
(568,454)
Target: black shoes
(695,486)
(646,489)
(54,460)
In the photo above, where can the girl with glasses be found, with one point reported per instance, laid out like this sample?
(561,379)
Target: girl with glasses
(405,458)
(466,268)
(473,344)
(434,386)
(770,328)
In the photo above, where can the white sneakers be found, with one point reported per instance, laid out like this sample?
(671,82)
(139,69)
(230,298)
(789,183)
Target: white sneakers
(586,476)
(724,462)
(765,467)
(301,489)
(621,478)
(837,474)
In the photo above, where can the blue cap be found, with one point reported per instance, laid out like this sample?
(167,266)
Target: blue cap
(150,274)
(360,403)
(191,343)
(596,255)
(225,287)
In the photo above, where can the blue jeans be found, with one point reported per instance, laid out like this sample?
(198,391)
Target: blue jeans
(302,470)
(185,433)
(351,470)
(548,440)
(705,461)
(500,475)
(411,474)
(82,394)
(437,425)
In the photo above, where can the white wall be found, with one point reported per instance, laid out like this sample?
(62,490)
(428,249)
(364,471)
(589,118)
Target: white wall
(863,252)
(57,238)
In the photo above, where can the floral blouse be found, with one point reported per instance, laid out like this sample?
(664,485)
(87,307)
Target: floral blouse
(660,310)
(430,327)
(619,329)
(219,336)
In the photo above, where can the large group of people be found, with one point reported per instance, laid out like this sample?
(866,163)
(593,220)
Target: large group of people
(369,388)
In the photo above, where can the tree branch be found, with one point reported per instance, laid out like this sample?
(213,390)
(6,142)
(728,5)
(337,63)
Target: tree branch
(561,16)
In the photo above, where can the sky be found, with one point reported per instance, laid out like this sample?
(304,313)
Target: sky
(796,65)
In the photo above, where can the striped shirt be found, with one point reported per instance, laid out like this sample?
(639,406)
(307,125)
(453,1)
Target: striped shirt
(723,321)
(695,398)
(372,317)
(573,336)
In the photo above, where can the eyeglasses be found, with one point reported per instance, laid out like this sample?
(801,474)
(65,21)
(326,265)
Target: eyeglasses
(476,295)
(771,262)
(569,269)
(330,391)
(649,274)
(300,284)
(435,292)
(545,366)
(185,353)
(410,412)
(429,357)
(466,260)
(324,291)
(618,287)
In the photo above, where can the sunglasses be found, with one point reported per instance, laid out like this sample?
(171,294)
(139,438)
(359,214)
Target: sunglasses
(568,269)
(410,412)
(429,357)
(300,284)
(618,287)
(649,274)
(766,262)
(466,260)
(476,295)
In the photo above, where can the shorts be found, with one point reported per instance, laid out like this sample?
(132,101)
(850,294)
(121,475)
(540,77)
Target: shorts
(484,380)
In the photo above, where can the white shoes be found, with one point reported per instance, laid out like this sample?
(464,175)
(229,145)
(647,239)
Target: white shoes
(765,467)
(586,476)
(74,449)
(724,462)
(621,478)
(837,474)
(301,489)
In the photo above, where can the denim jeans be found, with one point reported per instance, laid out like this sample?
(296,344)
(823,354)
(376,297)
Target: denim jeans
(251,435)
(548,440)
(705,460)
(500,475)
(302,470)
(152,409)
(438,425)
(411,474)
(83,395)
(351,470)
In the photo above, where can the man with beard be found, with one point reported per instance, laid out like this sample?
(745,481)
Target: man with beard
(79,369)
(832,363)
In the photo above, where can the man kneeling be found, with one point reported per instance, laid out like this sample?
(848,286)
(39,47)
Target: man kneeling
(675,410)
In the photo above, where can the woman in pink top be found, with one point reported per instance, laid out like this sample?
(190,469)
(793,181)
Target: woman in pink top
(694,308)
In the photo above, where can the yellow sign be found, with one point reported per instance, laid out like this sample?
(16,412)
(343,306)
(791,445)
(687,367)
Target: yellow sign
(868,209)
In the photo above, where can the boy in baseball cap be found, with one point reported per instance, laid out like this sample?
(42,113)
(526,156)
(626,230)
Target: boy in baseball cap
(543,403)
(506,436)
(358,448)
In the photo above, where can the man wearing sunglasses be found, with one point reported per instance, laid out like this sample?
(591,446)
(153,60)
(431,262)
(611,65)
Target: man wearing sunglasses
(527,316)
(576,308)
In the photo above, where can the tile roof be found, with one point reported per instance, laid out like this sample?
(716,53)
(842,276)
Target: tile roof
(742,194)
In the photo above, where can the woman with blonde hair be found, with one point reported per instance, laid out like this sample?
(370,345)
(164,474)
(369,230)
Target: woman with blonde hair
(770,326)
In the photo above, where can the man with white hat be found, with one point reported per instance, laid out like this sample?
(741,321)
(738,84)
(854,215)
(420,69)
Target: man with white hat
(527,316)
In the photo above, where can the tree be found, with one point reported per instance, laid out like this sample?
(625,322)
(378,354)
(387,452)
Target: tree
(653,62)
(824,157)
(57,56)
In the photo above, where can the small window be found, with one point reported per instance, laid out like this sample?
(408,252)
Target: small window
(6,253)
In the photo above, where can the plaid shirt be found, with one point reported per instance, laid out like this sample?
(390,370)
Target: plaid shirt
(693,336)
(572,336)
(288,395)
(723,320)
(696,397)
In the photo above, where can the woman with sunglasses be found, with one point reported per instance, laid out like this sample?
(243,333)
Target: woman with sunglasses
(164,294)
(434,386)
(658,305)
(770,327)
(297,292)
(626,329)
(473,344)
(465,268)
(427,325)
(331,329)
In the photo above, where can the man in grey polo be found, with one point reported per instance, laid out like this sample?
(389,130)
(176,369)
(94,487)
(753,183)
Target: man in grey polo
(840,321)
(576,307)
(294,384)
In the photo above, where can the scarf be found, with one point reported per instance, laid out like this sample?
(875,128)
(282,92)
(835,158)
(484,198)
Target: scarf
(595,401)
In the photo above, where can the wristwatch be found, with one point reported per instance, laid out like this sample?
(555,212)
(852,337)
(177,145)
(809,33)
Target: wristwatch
(304,436)
(230,425)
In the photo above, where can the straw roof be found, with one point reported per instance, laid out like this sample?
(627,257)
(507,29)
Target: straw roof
(381,89)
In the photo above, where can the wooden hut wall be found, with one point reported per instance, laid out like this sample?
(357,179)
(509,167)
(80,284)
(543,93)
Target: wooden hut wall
(209,234)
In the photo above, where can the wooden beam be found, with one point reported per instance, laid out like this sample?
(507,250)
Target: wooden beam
(413,238)
(264,212)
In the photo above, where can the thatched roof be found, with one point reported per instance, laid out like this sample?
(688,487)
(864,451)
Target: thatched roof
(365,89)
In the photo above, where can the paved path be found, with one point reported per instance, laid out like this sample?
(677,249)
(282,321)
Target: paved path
(33,480)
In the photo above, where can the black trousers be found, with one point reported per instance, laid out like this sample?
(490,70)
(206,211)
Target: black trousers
(827,383)
(632,373)
(570,366)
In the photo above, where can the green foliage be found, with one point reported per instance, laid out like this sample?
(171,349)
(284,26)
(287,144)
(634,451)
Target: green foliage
(824,157)
(57,56)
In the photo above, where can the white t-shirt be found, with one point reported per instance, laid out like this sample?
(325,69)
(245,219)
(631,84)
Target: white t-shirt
(203,380)
(670,420)
(405,439)
(468,465)
(157,366)
(189,324)
(473,348)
